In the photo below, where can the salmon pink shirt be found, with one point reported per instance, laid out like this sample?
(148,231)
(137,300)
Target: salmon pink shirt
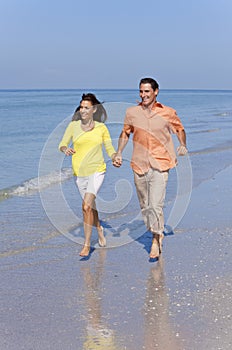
(152,139)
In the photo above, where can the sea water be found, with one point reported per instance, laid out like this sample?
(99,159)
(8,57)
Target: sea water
(33,122)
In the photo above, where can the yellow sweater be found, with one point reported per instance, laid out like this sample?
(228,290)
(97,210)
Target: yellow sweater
(88,158)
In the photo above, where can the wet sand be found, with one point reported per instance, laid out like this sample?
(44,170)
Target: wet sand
(118,299)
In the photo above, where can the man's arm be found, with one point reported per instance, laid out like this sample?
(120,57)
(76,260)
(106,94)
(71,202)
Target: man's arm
(182,149)
(122,142)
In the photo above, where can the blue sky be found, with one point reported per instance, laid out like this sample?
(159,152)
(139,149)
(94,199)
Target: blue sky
(184,44)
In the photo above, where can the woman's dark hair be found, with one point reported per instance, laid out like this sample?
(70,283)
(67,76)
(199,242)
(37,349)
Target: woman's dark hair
(100,115)
(150,81)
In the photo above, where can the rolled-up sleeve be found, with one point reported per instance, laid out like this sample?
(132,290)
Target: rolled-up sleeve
(128,127)
(175,122)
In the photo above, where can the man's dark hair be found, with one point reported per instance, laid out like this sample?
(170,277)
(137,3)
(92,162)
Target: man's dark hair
(150,81)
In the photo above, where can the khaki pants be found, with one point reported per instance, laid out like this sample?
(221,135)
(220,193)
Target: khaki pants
(151,190)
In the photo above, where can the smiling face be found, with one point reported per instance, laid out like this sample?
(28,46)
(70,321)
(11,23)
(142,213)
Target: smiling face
(147,95)
(86,111)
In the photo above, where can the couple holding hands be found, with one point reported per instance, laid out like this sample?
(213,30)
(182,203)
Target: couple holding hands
(151,124)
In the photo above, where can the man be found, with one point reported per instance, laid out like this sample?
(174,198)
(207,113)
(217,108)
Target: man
(153,155)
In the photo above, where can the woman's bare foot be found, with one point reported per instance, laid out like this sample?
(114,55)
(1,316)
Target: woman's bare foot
(155,249)
(101,237)
(85,250)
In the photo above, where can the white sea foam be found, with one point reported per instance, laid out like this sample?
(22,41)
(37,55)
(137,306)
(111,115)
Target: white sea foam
(37,184)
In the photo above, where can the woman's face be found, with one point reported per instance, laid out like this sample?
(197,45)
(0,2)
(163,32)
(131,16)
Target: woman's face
(86,110)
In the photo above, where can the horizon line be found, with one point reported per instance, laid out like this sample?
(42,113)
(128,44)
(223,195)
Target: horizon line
(115,89)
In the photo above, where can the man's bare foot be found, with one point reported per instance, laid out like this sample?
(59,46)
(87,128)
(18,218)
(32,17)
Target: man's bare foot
(155,250)
(161,237)
(85,250)
(101,237)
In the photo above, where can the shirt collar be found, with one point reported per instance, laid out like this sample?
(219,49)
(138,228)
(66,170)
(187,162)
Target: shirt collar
(156,104)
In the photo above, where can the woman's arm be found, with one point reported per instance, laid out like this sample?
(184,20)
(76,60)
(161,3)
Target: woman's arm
(108,143)
(63,146)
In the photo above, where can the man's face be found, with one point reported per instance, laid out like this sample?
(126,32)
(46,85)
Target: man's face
(147,95)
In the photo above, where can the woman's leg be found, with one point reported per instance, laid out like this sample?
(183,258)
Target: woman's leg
(97,224)
(88,217)
(89,187)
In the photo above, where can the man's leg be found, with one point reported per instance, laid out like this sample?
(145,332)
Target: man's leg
(142,189)
(157,191)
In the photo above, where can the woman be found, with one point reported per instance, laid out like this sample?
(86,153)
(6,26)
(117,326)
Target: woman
(88,133)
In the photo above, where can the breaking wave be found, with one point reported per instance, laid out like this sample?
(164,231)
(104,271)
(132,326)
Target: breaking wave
(34,185)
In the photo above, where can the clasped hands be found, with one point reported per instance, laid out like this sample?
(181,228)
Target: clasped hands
(117,159)
(182,150)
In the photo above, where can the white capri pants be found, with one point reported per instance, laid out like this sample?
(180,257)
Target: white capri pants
(89,184)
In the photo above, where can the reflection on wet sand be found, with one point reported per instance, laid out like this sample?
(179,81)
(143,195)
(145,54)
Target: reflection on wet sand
(158,330)
(98,335)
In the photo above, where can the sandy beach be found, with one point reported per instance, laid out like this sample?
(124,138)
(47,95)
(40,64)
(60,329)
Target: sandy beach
(118,299)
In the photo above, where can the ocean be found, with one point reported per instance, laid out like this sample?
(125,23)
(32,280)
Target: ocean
(37,191)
